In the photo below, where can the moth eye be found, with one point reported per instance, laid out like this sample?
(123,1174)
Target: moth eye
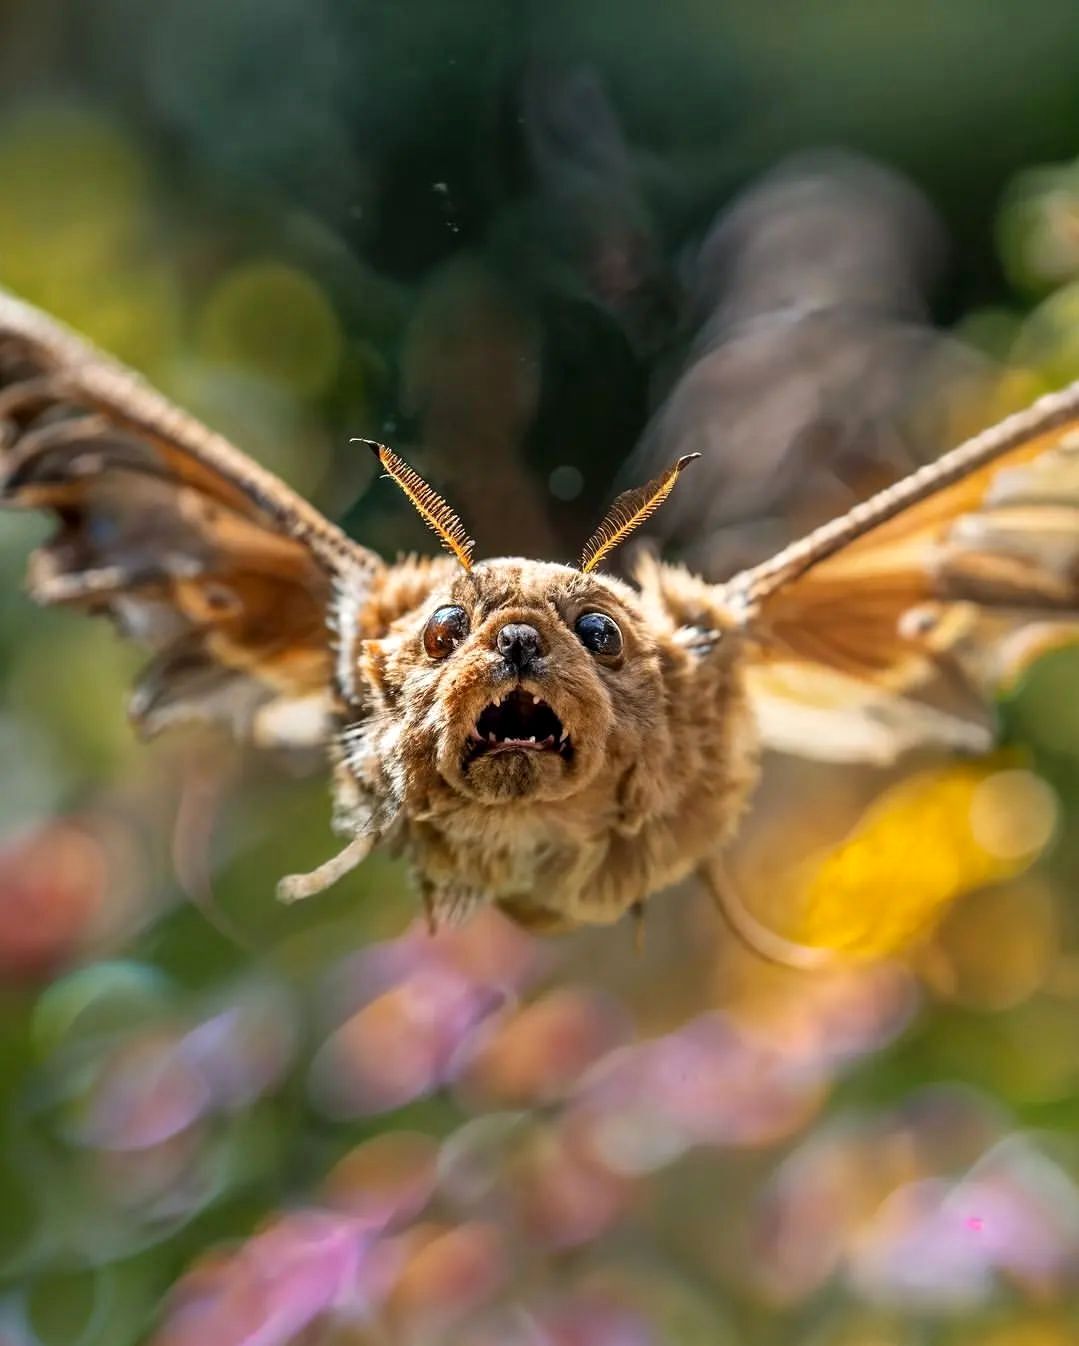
(445,629)
(598,633)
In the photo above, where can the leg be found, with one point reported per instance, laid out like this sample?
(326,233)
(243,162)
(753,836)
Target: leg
(755,936)
(295,887)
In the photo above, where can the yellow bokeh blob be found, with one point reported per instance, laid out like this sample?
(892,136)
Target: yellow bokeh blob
(925,842)
(78,234)
(74,190)
(275,321)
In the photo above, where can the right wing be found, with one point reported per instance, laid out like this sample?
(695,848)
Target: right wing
(892,625)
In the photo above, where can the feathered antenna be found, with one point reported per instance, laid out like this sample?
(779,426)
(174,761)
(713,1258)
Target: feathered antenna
(426,501)
(628,512)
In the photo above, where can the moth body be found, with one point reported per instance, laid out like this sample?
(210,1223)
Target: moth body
(561,784)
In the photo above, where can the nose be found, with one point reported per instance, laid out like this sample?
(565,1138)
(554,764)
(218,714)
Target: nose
(518,644)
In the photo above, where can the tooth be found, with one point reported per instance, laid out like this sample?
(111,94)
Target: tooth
(532,739)
(491,738)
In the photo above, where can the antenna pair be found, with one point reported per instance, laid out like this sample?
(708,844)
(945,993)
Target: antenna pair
(626,514)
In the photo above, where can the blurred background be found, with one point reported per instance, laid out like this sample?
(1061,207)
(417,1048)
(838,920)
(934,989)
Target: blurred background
(540,249)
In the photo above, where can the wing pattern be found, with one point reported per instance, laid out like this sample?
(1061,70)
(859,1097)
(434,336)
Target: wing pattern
(888,626)
(187,544)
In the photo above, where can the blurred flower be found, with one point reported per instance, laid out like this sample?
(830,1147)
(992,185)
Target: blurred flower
(825,1023)
(151,1083)
(150,1188)
(561,1189)
(52,886)
(412,1009)
(400,1046)
(1027,1207)
(144,1093)
(936,1242)
(147,1112)
(535,1055)
(244,1050)
(711,1082)
(386,1181)
(271,1287)
(447,1273)
(921,1206)
(493,949)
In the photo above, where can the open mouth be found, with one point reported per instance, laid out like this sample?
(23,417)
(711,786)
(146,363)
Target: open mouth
(519,722)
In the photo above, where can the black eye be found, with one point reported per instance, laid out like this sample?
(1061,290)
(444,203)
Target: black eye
(598,633)
(445,629)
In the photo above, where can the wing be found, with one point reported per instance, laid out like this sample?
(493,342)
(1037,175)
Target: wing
(888,627)
(191,548)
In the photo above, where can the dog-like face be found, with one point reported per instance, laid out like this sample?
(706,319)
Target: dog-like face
(521,681)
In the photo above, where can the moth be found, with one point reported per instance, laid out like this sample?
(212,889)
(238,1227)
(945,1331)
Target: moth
(544,737)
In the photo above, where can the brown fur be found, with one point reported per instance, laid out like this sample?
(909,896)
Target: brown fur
(663,749)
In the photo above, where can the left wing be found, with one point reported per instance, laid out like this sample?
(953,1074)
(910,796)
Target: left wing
(193,549)
(890,626)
